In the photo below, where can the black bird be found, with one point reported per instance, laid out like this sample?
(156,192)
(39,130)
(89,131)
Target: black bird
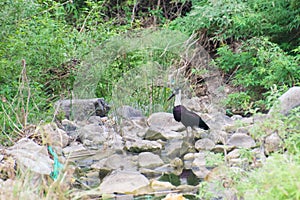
(183,115)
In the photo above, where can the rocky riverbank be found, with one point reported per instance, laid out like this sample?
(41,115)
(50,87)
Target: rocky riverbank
(129,155)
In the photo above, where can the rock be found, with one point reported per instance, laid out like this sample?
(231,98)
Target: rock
(247,120)
(220,148)
(220,121)
(91,179)
(236,117)
(73,148)
(69,125)
(218,136)
(174,148)
(156,133)
(114,162)
(123,182)
(192,104)
(165,121)
(138,146)
(9,190)
(129,113)
(177,166)
(287,101)
(241,140)
(101,107)
(172,196)
(53,135)
(159,186)
(92,135)
(272,143)
(233,154)
(133,129)
(188,160)
(149,160)
(83,108)
(95,120)
(32,156)
(204,144)
(197,163)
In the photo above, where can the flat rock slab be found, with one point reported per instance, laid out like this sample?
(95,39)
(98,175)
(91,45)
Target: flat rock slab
(241,140)
(123,182)
(32,156)
(149,160)
(164,121)
(142,146)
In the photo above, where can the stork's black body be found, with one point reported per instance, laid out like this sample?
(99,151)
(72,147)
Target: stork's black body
(183,115)
(188,118)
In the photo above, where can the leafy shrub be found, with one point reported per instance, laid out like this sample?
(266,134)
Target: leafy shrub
(238,19)
(257,66)
(278,179)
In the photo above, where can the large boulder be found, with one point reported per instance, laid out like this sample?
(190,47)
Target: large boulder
(125,182)
(81,109)
(241,140)
(287,101)
(164,121)
(31,156)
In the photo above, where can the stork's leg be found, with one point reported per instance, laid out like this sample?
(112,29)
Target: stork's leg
(190,136)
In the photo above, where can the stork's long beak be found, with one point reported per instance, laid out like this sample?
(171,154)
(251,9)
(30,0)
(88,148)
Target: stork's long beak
(172,95)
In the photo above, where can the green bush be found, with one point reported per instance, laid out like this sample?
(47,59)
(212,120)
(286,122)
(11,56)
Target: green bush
(239,19)
(257,66)
(278,179)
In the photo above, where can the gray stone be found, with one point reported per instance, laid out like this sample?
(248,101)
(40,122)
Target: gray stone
(133,129)
(92,135)
(177,166)
(204,144)
(32,156)
(156,133)
(53,135)
(220,148)
(114,162)
(219,121)
(138,146)
(241,140)
(69,125)
(123,182)
(81,109)
(174,148)
(128,112)
(95,120)
(149,160)
(272,143)
(218,136)
(73,148)
(287,101)
(193,104)
(165,121)
(199,165)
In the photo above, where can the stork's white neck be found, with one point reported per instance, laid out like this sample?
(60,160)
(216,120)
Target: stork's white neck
(178,99)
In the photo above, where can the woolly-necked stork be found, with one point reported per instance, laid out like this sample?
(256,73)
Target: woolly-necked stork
(183,115)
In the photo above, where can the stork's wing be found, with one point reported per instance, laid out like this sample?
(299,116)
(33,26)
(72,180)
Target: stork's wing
(191,119)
